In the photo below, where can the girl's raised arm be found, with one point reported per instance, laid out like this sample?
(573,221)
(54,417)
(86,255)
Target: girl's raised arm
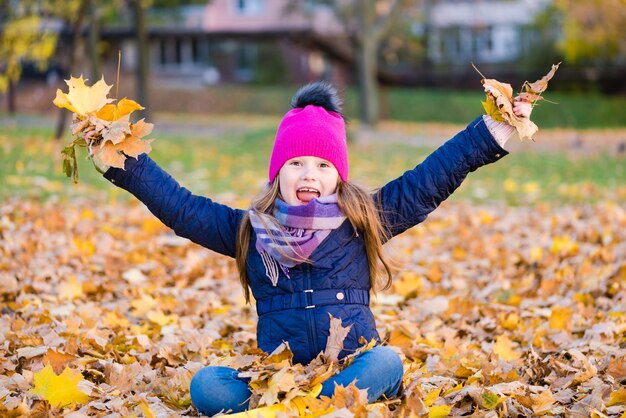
(407,200)
(197,218)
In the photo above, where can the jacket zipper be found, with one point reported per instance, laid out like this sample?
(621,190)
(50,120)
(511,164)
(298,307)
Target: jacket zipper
(310,318)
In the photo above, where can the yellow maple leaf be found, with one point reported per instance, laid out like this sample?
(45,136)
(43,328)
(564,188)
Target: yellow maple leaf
(408,284)
(143,305)
(113,112)
(563,245)
(158,317)
(504,349)
(401,337)
(617,397)
(85,246)
(560,318)
(59,390)
(70,289)
(81,98)
(432,396)
(510,321)
(439,411)
(491,109)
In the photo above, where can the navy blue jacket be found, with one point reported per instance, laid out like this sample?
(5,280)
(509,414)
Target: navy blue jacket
(337,281)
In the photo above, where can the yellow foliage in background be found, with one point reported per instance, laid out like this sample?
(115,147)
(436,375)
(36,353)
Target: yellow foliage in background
(24,39)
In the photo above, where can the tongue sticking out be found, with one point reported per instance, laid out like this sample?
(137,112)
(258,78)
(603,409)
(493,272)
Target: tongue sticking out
(306,196)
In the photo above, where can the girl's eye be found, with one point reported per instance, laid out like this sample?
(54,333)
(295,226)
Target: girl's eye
(296,163)
(324,165)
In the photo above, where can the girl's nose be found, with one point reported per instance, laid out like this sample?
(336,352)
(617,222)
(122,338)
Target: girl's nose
(309,173)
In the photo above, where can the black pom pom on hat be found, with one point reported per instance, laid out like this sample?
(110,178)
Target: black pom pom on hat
(320,93)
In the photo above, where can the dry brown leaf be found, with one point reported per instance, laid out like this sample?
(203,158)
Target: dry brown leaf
(110,156)
(141,128)
(334,344)
(541,85)
(280,383)
(617,368)
(543,403)
(281,354)
(116,132)
(133,146)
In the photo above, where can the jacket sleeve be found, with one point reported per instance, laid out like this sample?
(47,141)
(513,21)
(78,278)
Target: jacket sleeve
(407,200)
(197,218)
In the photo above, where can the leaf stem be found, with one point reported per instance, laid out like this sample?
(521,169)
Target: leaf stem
(117,82)
(481,74)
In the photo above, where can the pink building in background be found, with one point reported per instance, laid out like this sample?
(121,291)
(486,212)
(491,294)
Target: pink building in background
(270,41)
(245,41)
(279,31)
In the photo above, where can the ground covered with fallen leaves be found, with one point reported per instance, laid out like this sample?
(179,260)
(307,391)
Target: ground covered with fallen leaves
(497,311)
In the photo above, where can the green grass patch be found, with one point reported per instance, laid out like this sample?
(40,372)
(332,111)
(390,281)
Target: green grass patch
(234,166)
(573,110)
(580,111)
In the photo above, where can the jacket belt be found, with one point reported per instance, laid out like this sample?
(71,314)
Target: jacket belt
(312,298)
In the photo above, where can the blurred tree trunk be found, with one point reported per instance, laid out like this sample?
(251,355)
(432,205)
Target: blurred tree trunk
(372,26)
(366,63)
(75,49)
(365,23)
(11,99)
(143,49)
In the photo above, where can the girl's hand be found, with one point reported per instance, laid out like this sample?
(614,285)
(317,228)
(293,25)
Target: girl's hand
(521,107)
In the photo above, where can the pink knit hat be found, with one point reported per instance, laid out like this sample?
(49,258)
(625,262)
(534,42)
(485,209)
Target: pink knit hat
(310,131)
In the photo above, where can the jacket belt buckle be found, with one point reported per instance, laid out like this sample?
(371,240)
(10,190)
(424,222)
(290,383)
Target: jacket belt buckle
(309,299)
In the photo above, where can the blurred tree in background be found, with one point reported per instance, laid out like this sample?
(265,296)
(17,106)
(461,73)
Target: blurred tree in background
(368,23)
(29,35)
(593,31)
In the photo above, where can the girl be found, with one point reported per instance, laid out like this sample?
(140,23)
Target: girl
(311,243)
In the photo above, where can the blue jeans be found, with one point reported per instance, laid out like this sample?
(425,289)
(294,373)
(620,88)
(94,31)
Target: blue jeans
(219,389)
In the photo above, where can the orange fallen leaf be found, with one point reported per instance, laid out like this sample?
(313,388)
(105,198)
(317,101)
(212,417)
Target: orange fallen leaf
(57,360)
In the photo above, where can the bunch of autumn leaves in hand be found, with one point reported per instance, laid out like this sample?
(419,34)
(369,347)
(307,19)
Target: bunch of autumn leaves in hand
(499,102)
(101,126)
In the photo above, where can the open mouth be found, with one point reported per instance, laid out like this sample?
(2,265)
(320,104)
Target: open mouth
(306,194)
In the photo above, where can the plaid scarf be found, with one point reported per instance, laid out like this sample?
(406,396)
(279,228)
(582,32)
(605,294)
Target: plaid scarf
(302,227)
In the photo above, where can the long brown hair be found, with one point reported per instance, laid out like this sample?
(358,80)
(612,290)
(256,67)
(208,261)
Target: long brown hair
(354,202)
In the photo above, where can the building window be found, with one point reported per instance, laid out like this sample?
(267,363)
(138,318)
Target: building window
(249,7)
(482,41)
(245,61)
